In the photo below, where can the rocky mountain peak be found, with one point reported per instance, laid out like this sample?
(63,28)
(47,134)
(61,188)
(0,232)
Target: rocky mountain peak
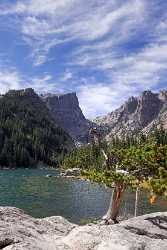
(149,106)
(147,94)
(130,105)
(147,97)
(67,113)
(62,100)
(136,114)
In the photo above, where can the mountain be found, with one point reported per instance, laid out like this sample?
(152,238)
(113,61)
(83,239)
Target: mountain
(28,133)
(67,114)
(137,114)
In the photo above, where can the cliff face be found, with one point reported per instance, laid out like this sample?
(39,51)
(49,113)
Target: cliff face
(136,115)
(68,115)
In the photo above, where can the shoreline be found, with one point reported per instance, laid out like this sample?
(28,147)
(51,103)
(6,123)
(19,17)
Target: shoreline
(16,168)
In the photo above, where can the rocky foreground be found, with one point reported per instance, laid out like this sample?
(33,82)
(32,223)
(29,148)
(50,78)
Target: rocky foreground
(21,231)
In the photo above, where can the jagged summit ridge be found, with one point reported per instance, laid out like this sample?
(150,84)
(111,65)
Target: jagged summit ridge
(136,114)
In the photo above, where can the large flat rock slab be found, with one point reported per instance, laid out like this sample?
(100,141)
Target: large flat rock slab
(19,231)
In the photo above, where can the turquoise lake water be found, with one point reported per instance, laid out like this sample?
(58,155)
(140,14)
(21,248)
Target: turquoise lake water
(76,200)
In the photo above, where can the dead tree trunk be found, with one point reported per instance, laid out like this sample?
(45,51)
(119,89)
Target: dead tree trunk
(114,207)
(136,201)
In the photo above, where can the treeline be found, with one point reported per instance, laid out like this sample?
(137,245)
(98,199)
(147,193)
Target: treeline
(91,156)
(146,155)
(84,157)
(28,134)
(158,135)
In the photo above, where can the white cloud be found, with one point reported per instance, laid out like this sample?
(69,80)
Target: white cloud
(56,22)
(144,68)
(43,84)
(68,75)
(35,28)
(99,99)
(126,77)
(47,8)
(34,7)
(10,79)
(109,35)
(108,19)
(96,99)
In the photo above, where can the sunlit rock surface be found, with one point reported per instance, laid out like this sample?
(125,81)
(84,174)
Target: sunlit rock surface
(137,114)
(20,231)
(71,172)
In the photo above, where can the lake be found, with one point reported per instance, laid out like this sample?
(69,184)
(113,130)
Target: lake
(76,200)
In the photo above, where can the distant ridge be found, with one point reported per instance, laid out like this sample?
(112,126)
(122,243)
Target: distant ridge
(137,114)
(29,136)
(65,111)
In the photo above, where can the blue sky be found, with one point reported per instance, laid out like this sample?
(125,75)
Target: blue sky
(105,50)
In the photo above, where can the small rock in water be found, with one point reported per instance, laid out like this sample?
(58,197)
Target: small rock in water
(71,172)
(48,175)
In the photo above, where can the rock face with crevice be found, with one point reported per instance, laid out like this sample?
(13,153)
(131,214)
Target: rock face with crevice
(20,231)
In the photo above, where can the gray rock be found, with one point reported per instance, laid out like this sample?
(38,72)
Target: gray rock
(68,115)
(19,231)
(136,115)
(71,172)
